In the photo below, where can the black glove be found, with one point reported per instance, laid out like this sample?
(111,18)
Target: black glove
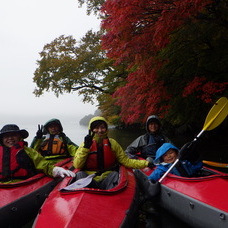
(40,133)
(151,162)
(88,140)
(190,152)
(151,165)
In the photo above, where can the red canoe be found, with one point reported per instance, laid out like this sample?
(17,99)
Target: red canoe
(90,207)
(199,201)
(20,202)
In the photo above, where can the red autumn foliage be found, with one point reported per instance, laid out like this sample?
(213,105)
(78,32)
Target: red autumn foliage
(204,89)
(141,96)
(136,30)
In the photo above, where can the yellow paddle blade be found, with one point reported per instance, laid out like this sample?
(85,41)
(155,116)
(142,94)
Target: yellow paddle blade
(217,114)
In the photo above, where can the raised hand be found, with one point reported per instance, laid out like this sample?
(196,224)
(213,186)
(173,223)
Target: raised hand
(88,140)
(40,132)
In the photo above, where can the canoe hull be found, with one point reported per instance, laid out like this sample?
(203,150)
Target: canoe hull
(20,202)
(192,211)
(22,210)
(91,207)
(199,201)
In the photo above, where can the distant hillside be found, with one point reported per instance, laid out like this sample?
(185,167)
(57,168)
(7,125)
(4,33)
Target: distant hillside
(85,120)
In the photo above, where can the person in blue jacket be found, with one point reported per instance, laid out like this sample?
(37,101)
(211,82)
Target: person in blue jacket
(166,155)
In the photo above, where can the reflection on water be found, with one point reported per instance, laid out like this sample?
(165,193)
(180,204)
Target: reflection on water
(124,137)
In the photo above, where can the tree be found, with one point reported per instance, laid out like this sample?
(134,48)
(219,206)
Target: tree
(196,56)
(93,6)
(66,67)
(158,40)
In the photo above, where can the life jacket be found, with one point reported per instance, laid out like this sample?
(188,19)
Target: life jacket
(15,163)
(53,145)
(100,156)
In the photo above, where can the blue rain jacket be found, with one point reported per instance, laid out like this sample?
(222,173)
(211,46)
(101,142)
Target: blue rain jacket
(162,167)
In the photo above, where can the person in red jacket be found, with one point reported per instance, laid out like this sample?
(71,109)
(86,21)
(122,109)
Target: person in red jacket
(18,161)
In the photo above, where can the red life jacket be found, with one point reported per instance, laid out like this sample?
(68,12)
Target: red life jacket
(100,156)
(10,165)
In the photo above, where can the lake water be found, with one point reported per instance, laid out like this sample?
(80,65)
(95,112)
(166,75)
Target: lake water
(71,126)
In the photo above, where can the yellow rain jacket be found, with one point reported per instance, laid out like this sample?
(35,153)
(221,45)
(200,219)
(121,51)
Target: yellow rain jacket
(121,157)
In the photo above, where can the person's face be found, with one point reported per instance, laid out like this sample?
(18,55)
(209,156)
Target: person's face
(153,127)
(100,130)
(10,139)
(54,129)
(170,156)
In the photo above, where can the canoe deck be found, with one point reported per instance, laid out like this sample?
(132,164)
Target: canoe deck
(89,207)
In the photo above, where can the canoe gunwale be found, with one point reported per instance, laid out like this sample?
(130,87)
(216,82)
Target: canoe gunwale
(33,178)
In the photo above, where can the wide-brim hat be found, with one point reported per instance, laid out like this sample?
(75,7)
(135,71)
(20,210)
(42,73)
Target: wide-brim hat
(10,128)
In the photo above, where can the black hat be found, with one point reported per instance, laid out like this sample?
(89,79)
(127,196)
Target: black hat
(13,128)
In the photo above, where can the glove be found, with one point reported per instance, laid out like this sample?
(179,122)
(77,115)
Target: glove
(61,172)
(88,140)
(151,162)
(39,133)
(190,152)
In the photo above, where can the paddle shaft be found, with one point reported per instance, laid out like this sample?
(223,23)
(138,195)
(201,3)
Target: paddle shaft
(215,117)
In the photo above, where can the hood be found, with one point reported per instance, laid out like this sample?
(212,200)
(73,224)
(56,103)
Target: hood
(96,118)
(162,150)
(152,118)
(50,122)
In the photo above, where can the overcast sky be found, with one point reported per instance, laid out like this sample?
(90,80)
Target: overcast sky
(26,26)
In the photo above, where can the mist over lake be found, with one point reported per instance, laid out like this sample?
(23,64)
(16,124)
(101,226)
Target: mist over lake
(71,126)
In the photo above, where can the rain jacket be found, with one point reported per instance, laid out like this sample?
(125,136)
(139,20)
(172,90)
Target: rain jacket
(40,164)
(121,158)
(68,148)
(184,168)
(146,145)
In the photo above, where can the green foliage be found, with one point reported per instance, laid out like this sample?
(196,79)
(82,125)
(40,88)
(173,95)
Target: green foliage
(67,67)
(93,6)
(108,108)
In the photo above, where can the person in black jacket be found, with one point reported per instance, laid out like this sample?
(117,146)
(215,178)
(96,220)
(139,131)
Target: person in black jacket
(146,145)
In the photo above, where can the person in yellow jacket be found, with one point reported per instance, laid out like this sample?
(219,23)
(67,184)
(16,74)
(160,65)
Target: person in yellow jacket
(98,152)
(18,161)
(52,143)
